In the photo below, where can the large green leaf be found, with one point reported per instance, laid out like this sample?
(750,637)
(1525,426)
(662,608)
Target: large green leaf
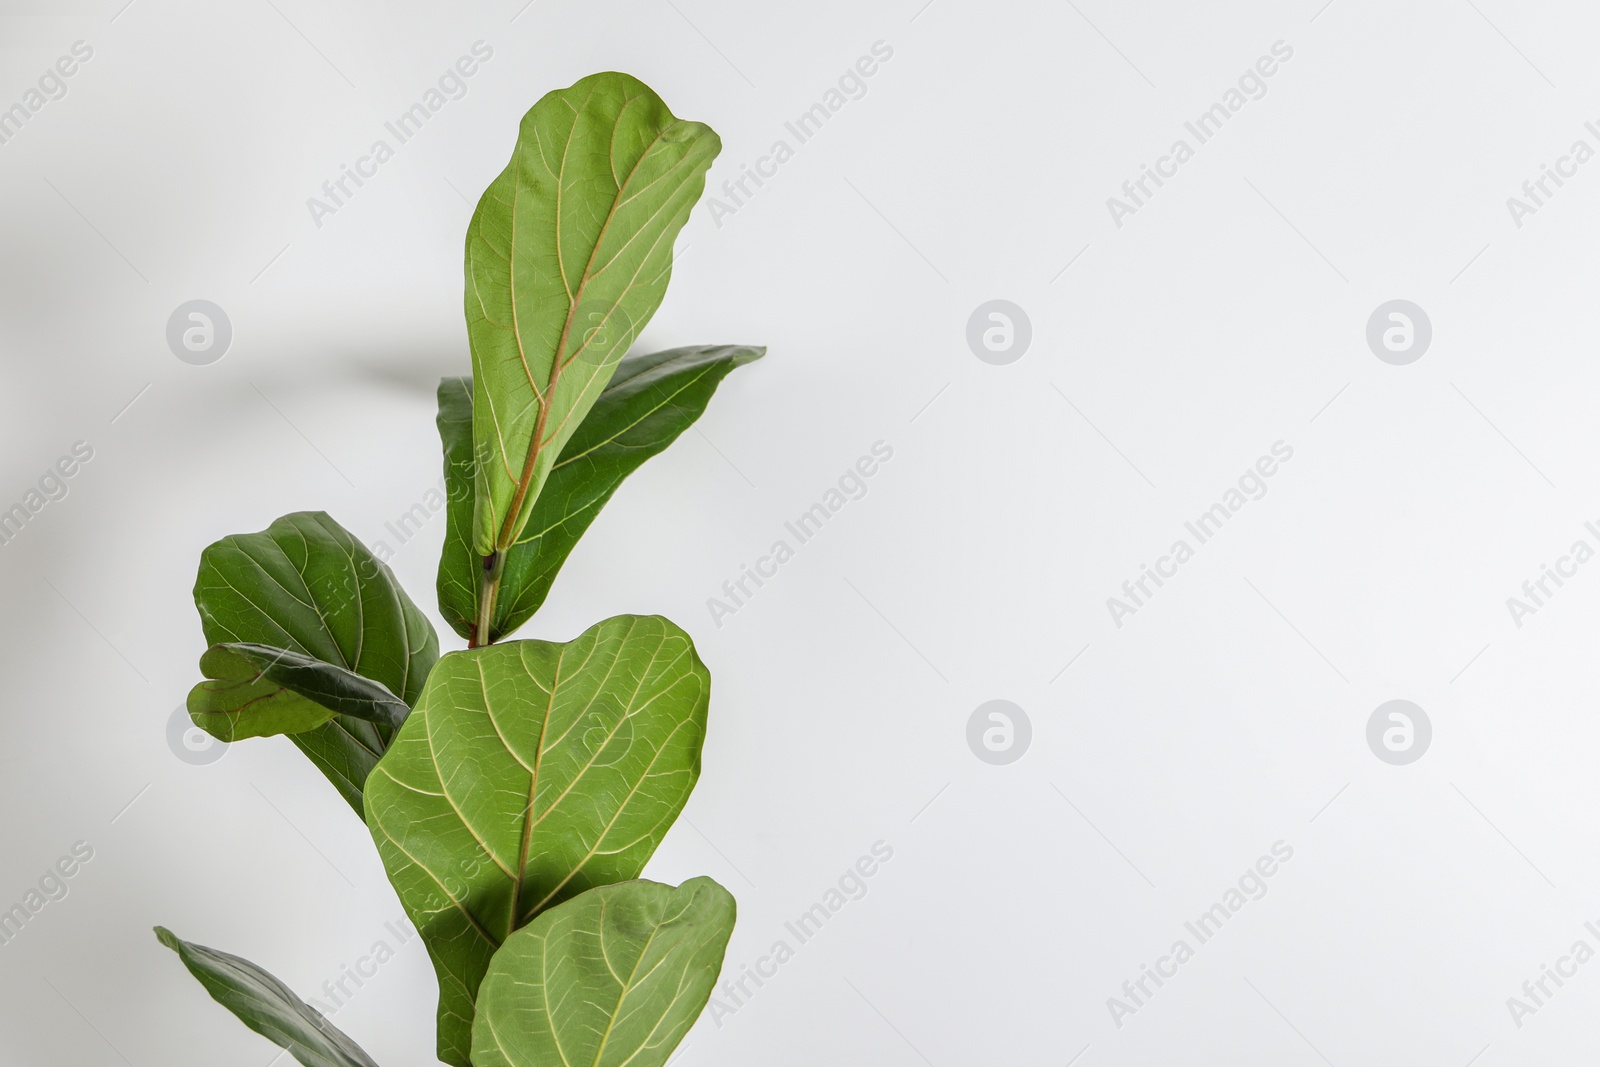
(650,400)
(267,1006)
(256,691)
(307,586)
(612,978)
(527,773)
(568,255)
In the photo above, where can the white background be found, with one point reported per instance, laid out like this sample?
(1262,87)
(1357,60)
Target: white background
(1228,314)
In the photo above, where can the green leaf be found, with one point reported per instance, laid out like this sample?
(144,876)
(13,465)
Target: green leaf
(568,255)
(527,773)
(267,1006)
(256,691)
(460,567)
(613,978)
(307,586)
(238,699)
(650,401)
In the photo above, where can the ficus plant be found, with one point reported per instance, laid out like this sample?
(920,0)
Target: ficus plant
(515,789)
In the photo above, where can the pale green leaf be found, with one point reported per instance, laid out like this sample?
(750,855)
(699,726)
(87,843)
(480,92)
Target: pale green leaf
(612,978)
(527,773)
(567,257)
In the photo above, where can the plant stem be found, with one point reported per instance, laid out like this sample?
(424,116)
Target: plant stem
(488,592)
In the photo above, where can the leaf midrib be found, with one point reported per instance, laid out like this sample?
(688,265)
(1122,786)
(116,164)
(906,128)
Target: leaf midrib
(627,987)
(574,301)
(651,670)
(520,873)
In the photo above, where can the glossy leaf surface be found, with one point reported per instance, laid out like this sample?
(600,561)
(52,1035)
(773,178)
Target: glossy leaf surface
(650,400)
(267,1006)
(256,691)
(306,585)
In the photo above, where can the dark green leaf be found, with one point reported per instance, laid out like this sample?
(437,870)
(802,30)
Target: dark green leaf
(612,978)
(256,691)
(238,700)
(460,567)
(650,401)
(529,772)
(307,586)
(267,1006)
